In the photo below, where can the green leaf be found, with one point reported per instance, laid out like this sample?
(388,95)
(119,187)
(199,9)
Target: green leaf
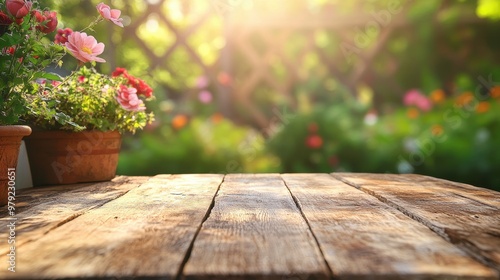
(48,76)
(8,40)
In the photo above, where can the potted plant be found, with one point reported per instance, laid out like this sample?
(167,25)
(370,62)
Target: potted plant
(78,124)
(25,54)
(23,58)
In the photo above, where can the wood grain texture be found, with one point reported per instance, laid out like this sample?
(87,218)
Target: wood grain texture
(471,220)
(255,230)
(363,237)
(144,233)
(39,210)
(481,195)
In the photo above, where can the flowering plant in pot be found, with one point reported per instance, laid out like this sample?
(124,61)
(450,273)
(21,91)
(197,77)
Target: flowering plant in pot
(26,52)
(81,119)
(89,100)
(23,56)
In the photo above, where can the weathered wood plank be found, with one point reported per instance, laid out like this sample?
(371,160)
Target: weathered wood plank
(469,223)
(144,233)
(255,230)
(39,210)
(362,237)
(482,195)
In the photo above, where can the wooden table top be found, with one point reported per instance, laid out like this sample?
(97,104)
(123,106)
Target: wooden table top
(255,226)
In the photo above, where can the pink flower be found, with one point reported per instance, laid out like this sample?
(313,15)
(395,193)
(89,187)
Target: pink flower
(411,97)
(141,86)
(62,36)
(424,104)
(112,15)
(84,48)
(415,98)
(205,96)
(41,81)
(18,8)
(128,99)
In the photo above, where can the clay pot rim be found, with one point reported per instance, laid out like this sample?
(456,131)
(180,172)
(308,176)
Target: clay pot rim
(15,130)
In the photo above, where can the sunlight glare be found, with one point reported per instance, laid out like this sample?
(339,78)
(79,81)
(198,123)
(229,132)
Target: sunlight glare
(152,23)
(175,10)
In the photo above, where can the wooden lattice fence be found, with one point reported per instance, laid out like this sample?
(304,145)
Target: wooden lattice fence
(266,55)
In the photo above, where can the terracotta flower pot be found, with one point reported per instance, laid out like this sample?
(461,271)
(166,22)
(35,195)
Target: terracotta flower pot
(60,157)
(10,140)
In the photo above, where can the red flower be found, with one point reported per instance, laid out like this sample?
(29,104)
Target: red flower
(140,85)
(10,50)
(48,21)
(62,36)
(37,15)
(18,8)
(314,141)
(5,19)
(120,71)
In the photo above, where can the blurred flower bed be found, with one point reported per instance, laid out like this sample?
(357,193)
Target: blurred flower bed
(451,137)
(196,145)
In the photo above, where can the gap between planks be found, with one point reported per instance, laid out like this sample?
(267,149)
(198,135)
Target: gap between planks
(440,259)
(180,272)
(443,231)
(115,256)
(297,204)
(257,252)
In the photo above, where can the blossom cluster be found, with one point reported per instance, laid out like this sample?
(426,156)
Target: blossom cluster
(128,96)
(415,98)
(128,91)
(140,85)
(86,98)
(85,47)
(19,9)
(89,100)
(82,46)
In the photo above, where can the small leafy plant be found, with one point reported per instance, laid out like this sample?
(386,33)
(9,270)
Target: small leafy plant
(91,100)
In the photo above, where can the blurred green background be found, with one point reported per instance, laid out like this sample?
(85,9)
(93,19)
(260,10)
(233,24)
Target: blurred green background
(310,85)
